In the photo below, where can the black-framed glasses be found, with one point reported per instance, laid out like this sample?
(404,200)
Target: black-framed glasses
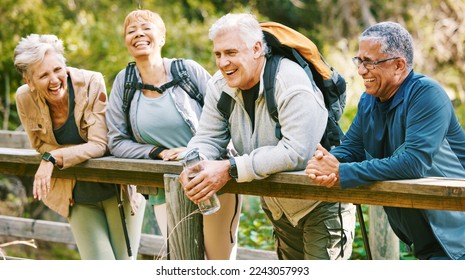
(370,65)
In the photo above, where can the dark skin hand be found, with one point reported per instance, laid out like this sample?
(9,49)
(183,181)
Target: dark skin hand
(323,168)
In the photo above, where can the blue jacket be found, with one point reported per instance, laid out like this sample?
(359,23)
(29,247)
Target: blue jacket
(415,134)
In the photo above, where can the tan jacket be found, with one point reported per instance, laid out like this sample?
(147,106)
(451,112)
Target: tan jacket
(89,112)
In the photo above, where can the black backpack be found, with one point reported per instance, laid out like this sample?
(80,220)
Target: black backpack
(180,78)
(286,42)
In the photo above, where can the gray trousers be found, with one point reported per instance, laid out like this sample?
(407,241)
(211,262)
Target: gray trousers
(318,235)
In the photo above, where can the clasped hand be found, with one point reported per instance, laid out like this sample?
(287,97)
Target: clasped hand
(323,168)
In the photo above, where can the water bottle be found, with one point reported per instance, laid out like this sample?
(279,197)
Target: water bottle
(191,159)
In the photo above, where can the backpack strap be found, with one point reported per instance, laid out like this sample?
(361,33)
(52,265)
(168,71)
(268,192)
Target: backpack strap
(130,86)
(225,105)
(157,89)
(303,63)
(269,77)
(181,77)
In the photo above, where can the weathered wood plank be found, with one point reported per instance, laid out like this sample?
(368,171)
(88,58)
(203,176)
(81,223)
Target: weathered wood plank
(185,228)
(36,229)
(380,234)
(151,245)
(14,139)
(61,233)
(110,163)
(427,193)
(411,194)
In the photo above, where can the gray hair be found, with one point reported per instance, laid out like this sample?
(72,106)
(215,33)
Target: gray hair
(247,25)
(32,49)
(394,38)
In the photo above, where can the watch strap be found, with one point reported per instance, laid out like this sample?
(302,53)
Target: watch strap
(233,168)
(48,157)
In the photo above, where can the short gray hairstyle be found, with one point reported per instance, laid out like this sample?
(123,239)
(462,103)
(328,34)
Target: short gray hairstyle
(32,49)
(247,24)
(394,38)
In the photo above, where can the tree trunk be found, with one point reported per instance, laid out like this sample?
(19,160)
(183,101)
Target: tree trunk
(6,113)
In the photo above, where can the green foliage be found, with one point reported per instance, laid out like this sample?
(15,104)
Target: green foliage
(44,251)
(347,117)
(358,247)
(93,39)
(460,111)
(92,34)
(255,230)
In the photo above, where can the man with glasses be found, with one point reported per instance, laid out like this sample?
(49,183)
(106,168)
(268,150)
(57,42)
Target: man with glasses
(405,128)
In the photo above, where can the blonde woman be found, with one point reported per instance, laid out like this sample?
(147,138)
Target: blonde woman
(162,121)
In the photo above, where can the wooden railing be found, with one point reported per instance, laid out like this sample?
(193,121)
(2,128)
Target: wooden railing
(425,193)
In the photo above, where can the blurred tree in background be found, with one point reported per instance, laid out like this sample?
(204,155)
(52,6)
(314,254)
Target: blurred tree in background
(93,38)
(92,34)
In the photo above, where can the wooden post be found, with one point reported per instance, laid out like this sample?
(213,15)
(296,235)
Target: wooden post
(384,244)
(185,223)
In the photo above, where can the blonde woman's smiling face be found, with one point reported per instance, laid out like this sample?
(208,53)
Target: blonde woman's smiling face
(143,38)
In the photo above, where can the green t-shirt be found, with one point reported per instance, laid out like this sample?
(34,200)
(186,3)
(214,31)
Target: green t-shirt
(169,129)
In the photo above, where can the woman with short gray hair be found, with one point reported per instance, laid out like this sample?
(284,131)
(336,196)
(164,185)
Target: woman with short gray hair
(62,110)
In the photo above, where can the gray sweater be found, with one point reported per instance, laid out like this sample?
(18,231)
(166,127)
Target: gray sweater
(302,115)
(119,140)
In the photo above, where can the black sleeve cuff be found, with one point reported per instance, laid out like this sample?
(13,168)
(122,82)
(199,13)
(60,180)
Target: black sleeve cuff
(155,152)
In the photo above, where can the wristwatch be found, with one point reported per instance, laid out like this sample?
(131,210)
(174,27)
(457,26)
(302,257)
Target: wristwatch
(48,157)
(233,168)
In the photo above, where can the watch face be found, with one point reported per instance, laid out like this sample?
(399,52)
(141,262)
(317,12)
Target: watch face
(233,168)
(48,157)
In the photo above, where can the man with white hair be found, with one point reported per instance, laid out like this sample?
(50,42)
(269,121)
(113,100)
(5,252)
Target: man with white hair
(304,229)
